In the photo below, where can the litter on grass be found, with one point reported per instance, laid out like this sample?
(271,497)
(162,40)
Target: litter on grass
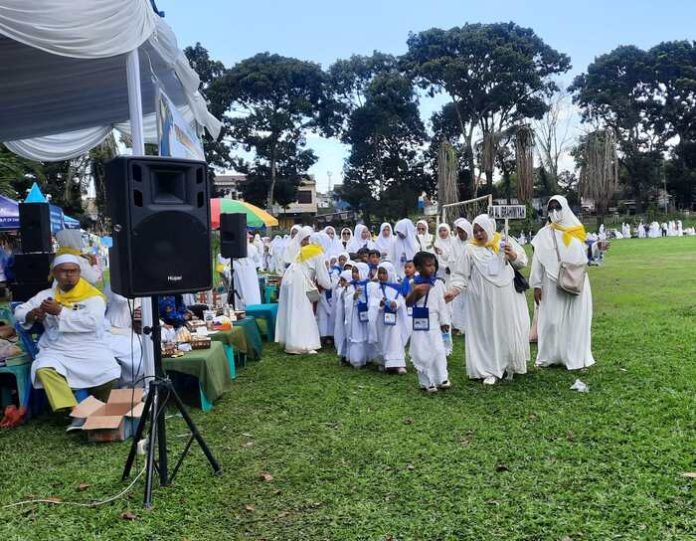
(580,387)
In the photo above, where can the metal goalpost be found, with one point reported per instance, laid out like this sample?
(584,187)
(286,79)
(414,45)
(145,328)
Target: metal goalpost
(451,210)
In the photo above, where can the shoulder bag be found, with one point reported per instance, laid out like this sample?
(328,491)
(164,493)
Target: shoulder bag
(571,276)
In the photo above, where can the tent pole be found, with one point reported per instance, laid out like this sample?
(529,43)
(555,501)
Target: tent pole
(135,107)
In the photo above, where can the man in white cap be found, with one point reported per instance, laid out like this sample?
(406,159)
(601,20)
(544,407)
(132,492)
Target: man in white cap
(72,352)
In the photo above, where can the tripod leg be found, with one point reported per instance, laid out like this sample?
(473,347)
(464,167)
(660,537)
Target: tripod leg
(137,437)
(152,442)
(194,431)
(162,443)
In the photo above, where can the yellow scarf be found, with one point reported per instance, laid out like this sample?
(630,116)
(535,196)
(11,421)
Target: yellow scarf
(72,251)
(308,252)
(82,291)
(493,244)
(577,231)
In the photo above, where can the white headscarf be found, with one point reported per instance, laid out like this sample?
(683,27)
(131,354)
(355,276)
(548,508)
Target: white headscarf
(406,248)
(357,242)
(465,225)
(544,250)
(363,270)
(323,240)
(386,244)
(65,258)
(350,238)
(70,238)
(391,271)
(347,275)
(425,241)
(335,247)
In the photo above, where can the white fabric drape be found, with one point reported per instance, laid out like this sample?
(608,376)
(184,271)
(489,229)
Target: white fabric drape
(63,73)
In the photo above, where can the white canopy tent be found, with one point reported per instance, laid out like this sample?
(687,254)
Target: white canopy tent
(70,73)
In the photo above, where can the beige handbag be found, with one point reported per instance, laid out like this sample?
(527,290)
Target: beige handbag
(571,276)
(312,291)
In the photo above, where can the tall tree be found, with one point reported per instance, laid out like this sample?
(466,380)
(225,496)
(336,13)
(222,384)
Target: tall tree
(495,75)
(217,151)
(274,101)
(552,134)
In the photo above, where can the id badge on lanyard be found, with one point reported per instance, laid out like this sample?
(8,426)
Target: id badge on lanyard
(362,312)
(389,314)
(421,316)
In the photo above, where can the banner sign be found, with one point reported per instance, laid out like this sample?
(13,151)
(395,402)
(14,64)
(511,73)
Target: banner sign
(177,138)
(507,212)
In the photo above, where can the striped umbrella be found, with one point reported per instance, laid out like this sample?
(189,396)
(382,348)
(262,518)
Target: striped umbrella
(256,218)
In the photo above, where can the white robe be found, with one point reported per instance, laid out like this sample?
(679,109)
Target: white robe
(73,343)
(457,308)
(296,326)
(564,322)
(246,279)
(124,343)
(389,341)
(325,308)
(497,319)
(339,333)
(358,349)
(427,348)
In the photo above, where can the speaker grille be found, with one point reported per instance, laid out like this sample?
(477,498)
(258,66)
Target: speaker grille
(172,253)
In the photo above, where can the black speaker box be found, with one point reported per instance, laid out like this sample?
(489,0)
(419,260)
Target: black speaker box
(233,235)
(23,291)
(35,227)
(160,213)
(32,267)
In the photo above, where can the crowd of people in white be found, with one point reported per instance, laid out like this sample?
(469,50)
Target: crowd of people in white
(409,289)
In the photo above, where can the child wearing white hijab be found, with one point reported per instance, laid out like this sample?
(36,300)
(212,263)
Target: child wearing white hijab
(340,339)
(389,322)
(497,333)
(336,247)
(356,302)
(564,324)
(442,246)
(424,238)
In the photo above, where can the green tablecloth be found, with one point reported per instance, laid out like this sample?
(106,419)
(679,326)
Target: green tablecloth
(253,337)
(236,337)
(209,366)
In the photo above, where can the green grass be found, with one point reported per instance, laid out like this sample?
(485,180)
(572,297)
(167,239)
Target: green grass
(361,455)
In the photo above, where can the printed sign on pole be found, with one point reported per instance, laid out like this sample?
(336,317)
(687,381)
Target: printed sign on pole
(507,212)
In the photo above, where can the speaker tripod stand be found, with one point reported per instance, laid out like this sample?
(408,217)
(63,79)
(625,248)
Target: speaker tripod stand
(160,393)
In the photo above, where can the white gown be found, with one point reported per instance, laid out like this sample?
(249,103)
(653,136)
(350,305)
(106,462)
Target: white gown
(339,333)
(497,319)
(564,323)
(246,279)
(296,326)
(73,343)
(389,341)
(325,309)
(124,344)
(358,348)
(427,348)
(457,305)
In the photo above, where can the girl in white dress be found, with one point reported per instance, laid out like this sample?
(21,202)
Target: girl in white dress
(389,323)
(430,320)
(356,305)
(340,338)
(497,333)
(425,239)
(442,246)
(405,245)
(464,233)
(564,324)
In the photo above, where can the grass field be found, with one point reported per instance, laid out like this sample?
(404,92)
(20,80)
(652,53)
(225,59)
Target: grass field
(358,455)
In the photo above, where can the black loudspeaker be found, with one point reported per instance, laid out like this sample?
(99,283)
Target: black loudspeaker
(35,227)
(32,267)
(233,235)
(160,213)
(22,292)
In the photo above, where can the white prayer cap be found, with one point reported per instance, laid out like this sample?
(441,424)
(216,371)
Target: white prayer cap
(65,258)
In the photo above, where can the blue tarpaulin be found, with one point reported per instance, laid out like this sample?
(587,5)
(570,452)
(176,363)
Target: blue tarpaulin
(9,214)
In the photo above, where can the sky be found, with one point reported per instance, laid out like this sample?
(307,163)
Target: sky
(324,31)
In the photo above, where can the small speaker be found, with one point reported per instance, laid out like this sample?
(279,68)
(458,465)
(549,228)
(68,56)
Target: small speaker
(32,267)
(35,227)
(233,235)
(160,214)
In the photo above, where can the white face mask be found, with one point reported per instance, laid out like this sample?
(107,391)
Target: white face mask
(556,216)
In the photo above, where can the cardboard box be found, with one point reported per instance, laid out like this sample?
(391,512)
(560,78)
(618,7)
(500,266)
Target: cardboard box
(116,420)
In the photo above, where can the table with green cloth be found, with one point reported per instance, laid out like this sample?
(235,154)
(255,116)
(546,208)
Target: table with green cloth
(209,366)
(244,337)
(265,315)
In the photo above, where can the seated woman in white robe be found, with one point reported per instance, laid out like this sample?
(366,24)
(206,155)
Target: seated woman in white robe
(405,245)
(497,332)
(296,326)
(246,279)
(123,342)
(71,349)
(564,323)
(389,324)
(385,242)
(356,302)
(464,233)
(424,239)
